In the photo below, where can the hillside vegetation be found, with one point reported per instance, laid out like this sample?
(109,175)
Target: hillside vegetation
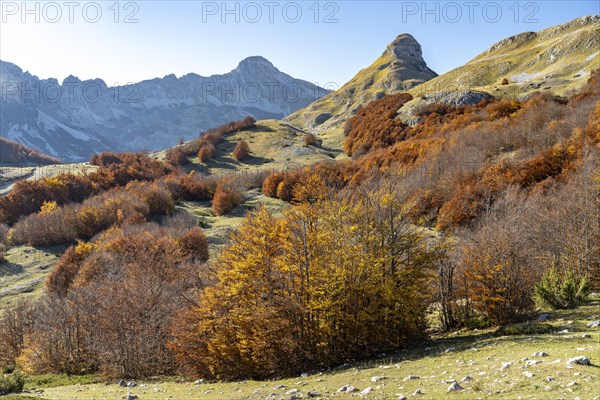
(420,253)
(16,153)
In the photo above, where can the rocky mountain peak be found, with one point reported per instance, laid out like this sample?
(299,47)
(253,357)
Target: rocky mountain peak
(255,63)
(404,47)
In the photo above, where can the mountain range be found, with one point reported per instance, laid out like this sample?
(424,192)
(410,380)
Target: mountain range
(74,119)
(78,118)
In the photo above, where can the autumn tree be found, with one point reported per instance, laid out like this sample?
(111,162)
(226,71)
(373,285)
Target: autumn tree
(333,280)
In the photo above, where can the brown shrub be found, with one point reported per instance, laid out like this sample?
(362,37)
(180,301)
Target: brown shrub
(271,183)
(311,140)
(177,156)
(207,152)
(226,198)
(241,151)
(194,245)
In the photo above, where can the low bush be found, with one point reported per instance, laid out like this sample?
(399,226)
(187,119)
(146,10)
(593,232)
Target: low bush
(561,291)
(241,151)
(528,328)
(12,383)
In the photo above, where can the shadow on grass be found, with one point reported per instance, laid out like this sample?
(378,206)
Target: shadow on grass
(9,268)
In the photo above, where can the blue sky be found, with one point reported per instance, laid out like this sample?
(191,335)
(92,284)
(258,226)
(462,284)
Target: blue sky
(92,39)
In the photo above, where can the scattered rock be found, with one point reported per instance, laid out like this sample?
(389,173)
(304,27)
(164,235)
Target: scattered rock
(132,396)
(593,324)
(504,366)
(400,396)
(377,378)
(540,354)
(466,379)
(450,349)
(528,374)
(581,360)
(313,393)
(122,383)
(199,381)
(455,387)
(131,384)
(366,391)
(279,387)
(549,378)
(533,362)
(571,384)
(347,389)
(564,331)
(418,392)
(410,377)
(293,391)
(586,336)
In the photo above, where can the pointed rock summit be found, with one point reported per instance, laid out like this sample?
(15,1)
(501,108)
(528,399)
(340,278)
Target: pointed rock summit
(255,62)
(400,67)
(405,46)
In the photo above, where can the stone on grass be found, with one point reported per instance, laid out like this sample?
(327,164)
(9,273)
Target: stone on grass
(366,391)
(347,389)
(293,391)
(581,360)
(586,336)
(593,324)
(279,387)
(549,378)
(528,374)
(543,317)
(400,396)
(377,378)
(564,331)
(533,362)
(540,354)
(418,392)
(410,377)
(505,365)
(466,379)
(571,384)
(132,396)
(122,383)
(455,387)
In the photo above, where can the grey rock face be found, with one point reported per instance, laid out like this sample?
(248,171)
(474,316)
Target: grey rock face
(457,99)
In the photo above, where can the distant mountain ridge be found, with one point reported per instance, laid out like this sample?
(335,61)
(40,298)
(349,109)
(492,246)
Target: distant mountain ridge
(74,119)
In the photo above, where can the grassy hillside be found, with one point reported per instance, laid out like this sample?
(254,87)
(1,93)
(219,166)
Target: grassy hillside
(558,59)
(274,145)
(434,366)
(25,271)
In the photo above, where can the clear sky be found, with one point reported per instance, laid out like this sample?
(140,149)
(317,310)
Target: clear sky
(326,41)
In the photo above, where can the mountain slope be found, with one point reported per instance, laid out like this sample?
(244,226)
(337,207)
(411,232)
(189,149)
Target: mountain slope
(77,118)
(400,67)
(16,153)
(558,58)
